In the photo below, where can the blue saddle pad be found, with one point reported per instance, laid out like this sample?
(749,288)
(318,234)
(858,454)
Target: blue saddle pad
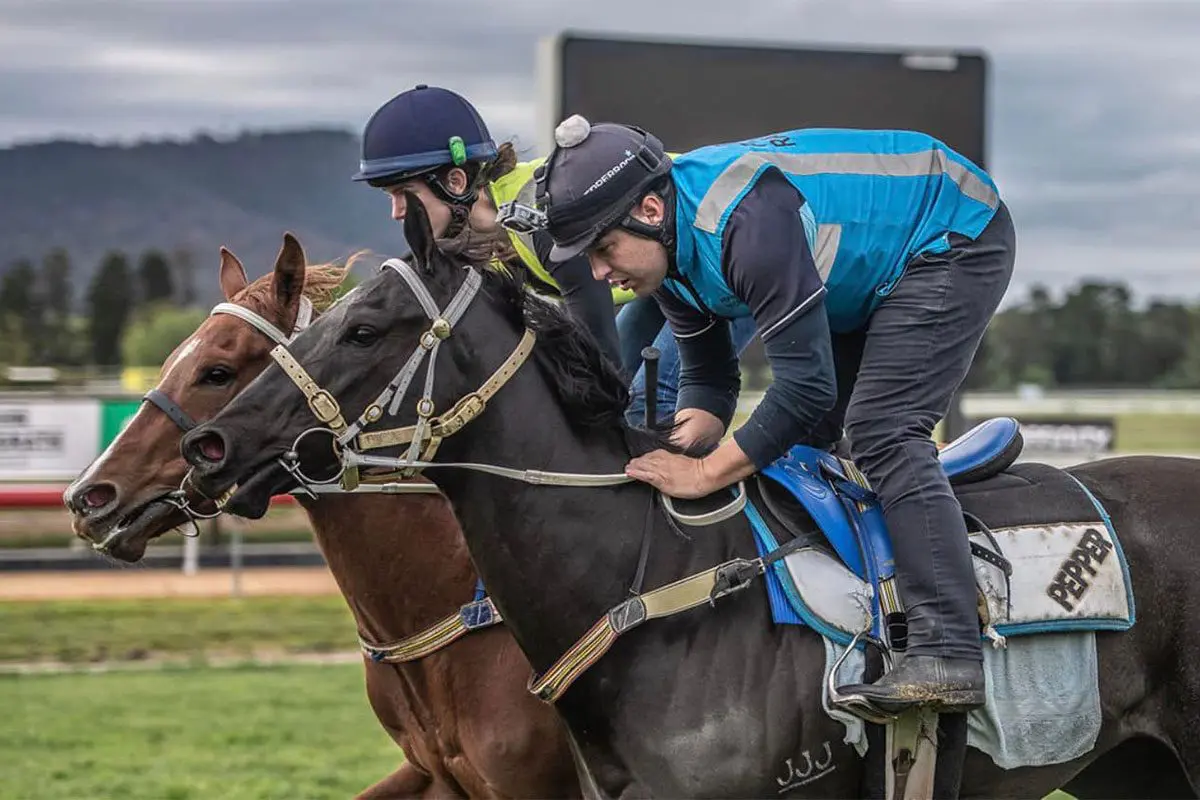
(1065,575)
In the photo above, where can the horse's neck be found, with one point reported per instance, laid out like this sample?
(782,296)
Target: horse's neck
(554,558)
(400,561)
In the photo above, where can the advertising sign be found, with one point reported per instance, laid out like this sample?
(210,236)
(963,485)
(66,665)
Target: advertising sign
(46,438)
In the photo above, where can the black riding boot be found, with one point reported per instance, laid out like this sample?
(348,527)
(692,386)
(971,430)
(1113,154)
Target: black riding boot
(942,684)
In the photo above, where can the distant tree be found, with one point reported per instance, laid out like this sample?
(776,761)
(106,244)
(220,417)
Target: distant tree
(1185,374)
(184,269)
(22,308)
(60,346)
(1166,332)
(110,305)
(154,278)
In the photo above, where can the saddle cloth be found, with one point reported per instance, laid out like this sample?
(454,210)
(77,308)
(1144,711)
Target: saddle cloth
(1068,578)
(1068,572)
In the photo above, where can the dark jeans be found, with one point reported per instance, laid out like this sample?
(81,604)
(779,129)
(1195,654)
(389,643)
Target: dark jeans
(641,323)
(896,379)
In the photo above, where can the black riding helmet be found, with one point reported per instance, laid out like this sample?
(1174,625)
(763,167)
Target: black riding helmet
(593,178)
(420,132)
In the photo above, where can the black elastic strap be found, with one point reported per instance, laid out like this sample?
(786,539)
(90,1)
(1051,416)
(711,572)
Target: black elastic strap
(639,577)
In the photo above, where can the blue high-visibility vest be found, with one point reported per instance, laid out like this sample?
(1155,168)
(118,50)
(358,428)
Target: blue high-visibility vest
(873,201)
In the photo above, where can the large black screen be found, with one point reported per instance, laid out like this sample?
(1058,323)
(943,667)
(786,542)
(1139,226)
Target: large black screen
(693,94)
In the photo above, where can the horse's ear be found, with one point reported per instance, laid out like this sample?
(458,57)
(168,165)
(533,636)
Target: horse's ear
(418,232)
(232,274)
(288,280)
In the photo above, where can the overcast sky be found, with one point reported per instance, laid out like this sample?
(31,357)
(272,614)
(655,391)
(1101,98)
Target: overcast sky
(1095,106)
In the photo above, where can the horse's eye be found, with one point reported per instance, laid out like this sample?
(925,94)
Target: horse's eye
(217,376)
(362,335)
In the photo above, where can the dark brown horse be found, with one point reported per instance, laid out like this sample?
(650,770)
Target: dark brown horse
(715,701)
(462,715)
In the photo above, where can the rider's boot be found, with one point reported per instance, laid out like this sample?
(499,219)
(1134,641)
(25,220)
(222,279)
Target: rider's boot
(943,684)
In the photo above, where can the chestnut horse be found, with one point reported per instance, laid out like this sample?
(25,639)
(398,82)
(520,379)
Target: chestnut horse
(462,715)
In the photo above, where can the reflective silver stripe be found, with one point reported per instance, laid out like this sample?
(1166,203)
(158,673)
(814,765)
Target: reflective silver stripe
(800,309)
(737,176)
(694,334)
(828,239)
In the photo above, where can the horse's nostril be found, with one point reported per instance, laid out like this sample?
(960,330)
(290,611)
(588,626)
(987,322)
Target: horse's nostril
(210,447)
(98,496)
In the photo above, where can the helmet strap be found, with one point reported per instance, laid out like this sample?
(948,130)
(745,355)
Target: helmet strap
(467,198)
(663,232)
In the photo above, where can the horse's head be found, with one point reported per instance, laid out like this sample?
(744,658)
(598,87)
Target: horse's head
(129,495)
(344,362)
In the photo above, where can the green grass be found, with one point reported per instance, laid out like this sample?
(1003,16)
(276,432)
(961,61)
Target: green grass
(176,734)
(87,630)
(1158,433)
(1135,433)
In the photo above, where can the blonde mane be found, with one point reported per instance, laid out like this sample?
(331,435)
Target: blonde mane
(321,282)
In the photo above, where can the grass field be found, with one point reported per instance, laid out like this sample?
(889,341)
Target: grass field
(130,630)
(181,733)
(186,730)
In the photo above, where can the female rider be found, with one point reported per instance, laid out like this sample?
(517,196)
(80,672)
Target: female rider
(433,142)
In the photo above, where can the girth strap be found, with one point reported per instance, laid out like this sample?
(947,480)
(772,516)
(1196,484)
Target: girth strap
(687,593)
(684,594)
(470,617)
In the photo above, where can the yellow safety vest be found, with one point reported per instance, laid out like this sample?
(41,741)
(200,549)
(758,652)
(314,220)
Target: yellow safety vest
(519,185)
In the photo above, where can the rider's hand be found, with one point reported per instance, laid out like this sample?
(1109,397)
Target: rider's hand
(672,474)
(685,477)
(697,428)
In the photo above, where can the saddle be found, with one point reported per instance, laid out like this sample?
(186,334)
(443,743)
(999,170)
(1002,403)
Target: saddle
(1046,556)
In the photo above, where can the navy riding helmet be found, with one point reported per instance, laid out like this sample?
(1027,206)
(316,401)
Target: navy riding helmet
(420,131)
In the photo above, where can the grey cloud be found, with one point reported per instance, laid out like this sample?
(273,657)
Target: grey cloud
(1095,134)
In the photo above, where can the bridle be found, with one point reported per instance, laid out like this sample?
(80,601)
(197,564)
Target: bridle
(478,614)
(180,498)
(424,437)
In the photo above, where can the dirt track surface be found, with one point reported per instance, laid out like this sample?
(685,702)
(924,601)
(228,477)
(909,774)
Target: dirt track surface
(164,583)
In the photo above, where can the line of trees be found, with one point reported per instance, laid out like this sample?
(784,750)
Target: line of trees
(127,315)
(1093,337)
(134,312)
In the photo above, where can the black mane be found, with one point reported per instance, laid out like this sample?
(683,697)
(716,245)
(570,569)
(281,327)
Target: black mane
(589,386)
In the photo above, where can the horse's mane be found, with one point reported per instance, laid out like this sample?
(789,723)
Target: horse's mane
(588,385)
(321,282)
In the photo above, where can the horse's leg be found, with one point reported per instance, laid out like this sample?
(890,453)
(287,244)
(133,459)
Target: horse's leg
(1179,720)
(1137,768)
(407,781)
